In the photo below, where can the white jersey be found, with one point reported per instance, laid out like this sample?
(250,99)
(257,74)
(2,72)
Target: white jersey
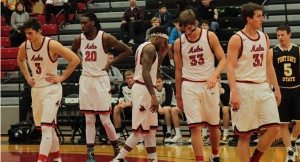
(138,65)
(94,57)
(161,97)
(40,62)
(251,65)
(197,57)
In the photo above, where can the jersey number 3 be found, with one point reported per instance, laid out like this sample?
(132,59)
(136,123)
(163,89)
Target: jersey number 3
(90,56)
(38,68)
(258,59)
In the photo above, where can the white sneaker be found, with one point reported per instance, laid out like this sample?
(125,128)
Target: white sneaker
(290,156)
(189,141)
(176,138)
(168,137)
(131,41)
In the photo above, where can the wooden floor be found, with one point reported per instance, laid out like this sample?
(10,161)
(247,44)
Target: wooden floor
(183,153)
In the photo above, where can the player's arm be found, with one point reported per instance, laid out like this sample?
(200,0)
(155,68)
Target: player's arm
(57,49)
(111,41)
(147,60)
(233,50)
(271,75)
(219,53)
(178,72)
(21,58)
(163,50)
(75,46)
(149,54)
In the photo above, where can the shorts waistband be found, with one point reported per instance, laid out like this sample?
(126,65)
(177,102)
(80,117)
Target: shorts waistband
(187,80)
(247,82)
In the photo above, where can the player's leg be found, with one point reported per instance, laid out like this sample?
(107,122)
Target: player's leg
(90,131)
(175,112)
(244,148)
(168,119)
(150,144)
(117,119)
(111,132)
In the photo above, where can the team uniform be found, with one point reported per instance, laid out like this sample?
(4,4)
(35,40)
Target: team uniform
(201,105)
(46,96)
(94,89)
(286,64)
(258,108)
(142,118)
(125,95)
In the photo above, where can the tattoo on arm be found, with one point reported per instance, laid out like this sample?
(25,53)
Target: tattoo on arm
(149,54)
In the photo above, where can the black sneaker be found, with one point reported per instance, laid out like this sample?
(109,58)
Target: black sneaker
(215,159)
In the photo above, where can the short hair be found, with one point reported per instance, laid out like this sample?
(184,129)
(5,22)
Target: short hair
(32,23)
(284,27)
(20,2)
(128,73)
(155,19)
(109,53)
(160,76)
(187,17)
(204,21)
(248,9)
(158,30)
(93,17)
(162,5)
(175,20)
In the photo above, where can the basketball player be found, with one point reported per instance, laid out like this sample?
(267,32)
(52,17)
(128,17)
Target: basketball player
(196,79)
(149,56)
(42,55)
(94,89)
(286,58)
(252,101)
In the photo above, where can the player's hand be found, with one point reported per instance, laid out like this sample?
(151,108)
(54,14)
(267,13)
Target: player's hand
(107,67)
(277,96)
(234,100)
(30,81)
(211,81)
(52,78)
(154,104)
(179,103)
(122,104)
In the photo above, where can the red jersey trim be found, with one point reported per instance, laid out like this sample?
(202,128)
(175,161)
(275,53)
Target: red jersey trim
(257,39)
(39,47)
(141,130)
(242,47)
(240,133)
(199,81)
(48,50)
(195,40)
(209,44)
(204,123)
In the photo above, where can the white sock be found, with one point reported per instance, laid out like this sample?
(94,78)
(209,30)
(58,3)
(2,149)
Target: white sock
(213,156)
(204,131)
(122,154)
(172,62)
(293,138)
(177,131)
(225,133)
(289,148)
(153,157)
(169,129)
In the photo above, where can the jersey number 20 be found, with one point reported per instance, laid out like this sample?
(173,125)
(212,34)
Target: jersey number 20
(90,56)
